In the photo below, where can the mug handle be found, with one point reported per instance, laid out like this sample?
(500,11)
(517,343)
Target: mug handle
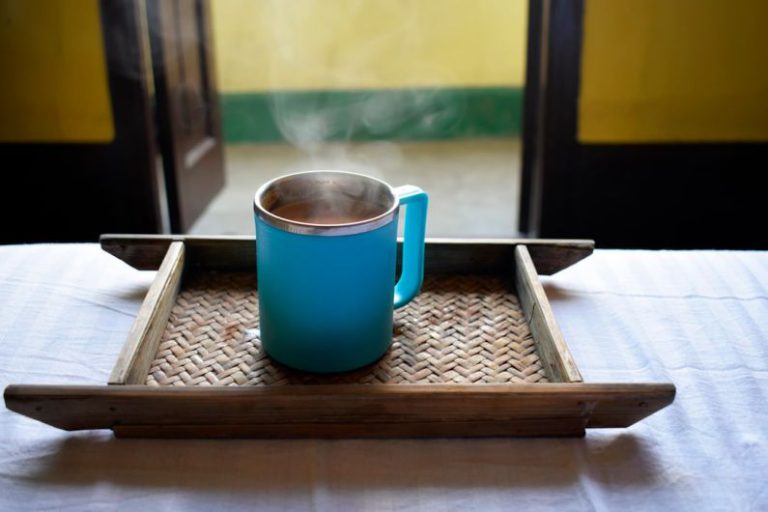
(412,274)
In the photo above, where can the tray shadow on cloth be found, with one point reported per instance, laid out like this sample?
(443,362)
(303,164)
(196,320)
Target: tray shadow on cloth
(556,293)
(623,460)
(135,293)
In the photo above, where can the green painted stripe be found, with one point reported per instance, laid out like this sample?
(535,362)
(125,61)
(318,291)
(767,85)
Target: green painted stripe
(399,114)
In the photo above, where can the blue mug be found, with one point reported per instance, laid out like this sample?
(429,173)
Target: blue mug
(326,250)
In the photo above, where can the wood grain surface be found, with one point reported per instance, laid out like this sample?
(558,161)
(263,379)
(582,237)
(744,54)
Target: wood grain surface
(351,407)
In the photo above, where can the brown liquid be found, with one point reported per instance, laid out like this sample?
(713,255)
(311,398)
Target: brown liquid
(325,212)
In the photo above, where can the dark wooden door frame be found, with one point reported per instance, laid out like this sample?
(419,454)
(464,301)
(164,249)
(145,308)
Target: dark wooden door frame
(533,123)
(691,195)
(550,111)
(76,191)
(192,175)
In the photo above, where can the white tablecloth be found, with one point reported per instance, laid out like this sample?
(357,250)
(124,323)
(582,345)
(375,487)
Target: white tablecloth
(698,319)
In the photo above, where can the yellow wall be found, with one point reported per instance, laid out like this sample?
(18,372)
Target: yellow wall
(352,44)
(674,70)
(54,85)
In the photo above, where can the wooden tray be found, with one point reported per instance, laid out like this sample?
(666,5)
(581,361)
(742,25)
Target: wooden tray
(477,354)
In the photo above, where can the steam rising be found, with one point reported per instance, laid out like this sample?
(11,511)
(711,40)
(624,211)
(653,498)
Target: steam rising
(309,122)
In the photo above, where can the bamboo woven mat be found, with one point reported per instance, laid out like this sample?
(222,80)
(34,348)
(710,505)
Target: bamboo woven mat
(460,329)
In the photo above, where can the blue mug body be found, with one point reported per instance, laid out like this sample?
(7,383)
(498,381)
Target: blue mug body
(326,250)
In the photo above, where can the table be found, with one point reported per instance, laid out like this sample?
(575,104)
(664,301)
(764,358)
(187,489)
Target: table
(695,318)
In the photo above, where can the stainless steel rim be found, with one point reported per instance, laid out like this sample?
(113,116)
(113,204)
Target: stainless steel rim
(307,228)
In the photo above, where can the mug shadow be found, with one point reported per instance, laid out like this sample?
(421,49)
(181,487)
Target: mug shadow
(252,465)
